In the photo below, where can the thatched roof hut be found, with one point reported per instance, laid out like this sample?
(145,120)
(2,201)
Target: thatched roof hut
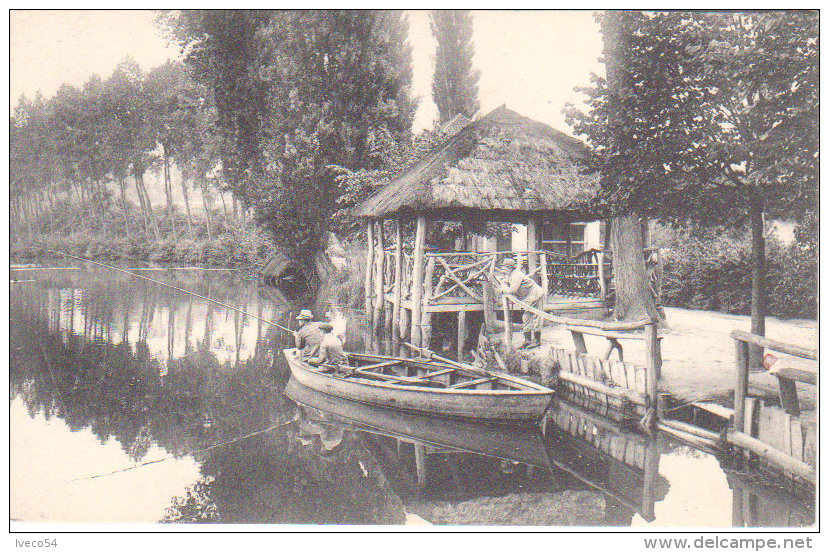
(503,166)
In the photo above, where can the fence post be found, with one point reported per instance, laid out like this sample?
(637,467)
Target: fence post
(398,280)
(741,385)
(654,363)
(369,270)
(417,282)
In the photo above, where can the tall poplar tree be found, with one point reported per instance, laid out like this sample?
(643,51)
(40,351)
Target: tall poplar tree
(455,82)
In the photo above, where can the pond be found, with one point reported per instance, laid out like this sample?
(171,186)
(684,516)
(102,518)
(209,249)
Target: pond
(134,402)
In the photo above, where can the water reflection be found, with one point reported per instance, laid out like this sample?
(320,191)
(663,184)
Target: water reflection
(116,372)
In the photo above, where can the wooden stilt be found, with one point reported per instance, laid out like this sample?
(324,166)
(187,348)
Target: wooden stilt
(420,464)
(741,385)
(369,270)
(532,246)
(379,295)
(507,324)
(489,304)
(417,281)
(462,333)
(654,363)
(398,280)
(426,326)
(650,480)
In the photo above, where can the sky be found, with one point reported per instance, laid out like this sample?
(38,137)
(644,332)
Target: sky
(528,60)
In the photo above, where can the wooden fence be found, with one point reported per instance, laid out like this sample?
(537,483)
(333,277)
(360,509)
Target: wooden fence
(774,436)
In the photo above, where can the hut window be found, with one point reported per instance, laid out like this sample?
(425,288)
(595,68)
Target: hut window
(563,238)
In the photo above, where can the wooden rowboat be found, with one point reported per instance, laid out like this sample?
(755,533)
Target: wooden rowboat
(423,385)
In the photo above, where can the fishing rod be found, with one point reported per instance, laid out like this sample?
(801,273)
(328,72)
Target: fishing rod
(175,288)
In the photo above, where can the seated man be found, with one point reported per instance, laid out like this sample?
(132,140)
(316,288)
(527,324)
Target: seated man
(309,336)
(330,350)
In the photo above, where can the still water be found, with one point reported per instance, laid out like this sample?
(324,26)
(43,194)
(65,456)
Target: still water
(132,402)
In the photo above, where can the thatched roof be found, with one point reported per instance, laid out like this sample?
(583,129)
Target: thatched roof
(502,164)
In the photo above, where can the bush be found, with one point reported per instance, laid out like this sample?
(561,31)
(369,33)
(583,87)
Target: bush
(713,272)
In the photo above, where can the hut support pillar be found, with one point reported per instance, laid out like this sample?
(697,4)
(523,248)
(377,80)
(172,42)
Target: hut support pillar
(398,280)
(532,245)
(426,327)
(417,282)
(462,333)
(379,295)
(369,270)
(507,324)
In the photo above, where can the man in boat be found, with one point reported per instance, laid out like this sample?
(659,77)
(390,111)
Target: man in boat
(528,291)
(330,350)
(309,335)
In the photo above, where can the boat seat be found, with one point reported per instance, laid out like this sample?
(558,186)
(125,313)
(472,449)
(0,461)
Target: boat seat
(437,373)
(472,383)
(371,367)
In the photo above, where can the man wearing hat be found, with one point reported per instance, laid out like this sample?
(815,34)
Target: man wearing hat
(309,336)
(528,291)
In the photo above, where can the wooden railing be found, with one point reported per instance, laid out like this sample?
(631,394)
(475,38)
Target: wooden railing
(763,436)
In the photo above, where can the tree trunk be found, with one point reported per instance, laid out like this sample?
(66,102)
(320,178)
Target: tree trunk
(99,191)
(634,300)
(758,276)
(123,188)
(168,184)
(206,203)
(143,204)
(150,212)
(187,206)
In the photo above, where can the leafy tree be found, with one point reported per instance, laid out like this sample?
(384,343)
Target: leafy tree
(300,95)
(712,118)
(455,82)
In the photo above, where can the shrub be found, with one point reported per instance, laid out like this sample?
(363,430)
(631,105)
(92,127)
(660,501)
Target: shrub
(712,271)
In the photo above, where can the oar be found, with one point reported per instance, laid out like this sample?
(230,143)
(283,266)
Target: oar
(432,355)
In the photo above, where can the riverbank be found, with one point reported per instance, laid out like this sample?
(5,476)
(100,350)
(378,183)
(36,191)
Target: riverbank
(247,249)
(697,352)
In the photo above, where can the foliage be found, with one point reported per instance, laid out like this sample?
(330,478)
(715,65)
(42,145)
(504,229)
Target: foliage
(710,269)
(714,108)
(299,93)
(455,82)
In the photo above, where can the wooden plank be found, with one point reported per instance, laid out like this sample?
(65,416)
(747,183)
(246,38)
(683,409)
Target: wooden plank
(788,395)
(773,455)
(810,443)
(617,371)
(806,375)
(641,379)
(796,438)
(462,333)
(760,341)
(578,341)
(369,367)
(472,383)
(630,452)
(786,433)
(437,373)
(630,375)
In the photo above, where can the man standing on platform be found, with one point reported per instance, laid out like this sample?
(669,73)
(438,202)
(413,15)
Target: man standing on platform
(309,336)
(527,290)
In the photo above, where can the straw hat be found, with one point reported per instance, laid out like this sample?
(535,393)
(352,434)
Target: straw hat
(305,314)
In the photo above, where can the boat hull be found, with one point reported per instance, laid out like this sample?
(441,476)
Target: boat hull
(503,406)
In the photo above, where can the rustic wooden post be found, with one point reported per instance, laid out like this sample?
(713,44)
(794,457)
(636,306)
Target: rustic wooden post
(654,363)
(420,464)
(741,385)
(602,282)
(489,303)
(462,332)
(650,478)
(417,282)
(545,285)
(379,294)
(369,270)
(398,279)
(426,326)
(507,324)
(532,246)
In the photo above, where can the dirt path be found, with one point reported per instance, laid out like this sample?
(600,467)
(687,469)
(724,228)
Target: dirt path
(698,353)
